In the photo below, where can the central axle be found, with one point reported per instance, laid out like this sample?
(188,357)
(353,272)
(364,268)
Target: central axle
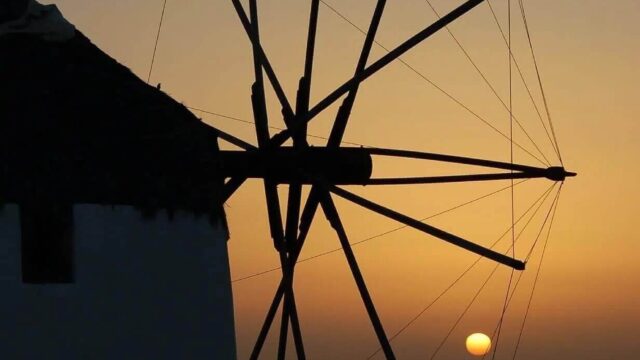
(285,165)
(353,166)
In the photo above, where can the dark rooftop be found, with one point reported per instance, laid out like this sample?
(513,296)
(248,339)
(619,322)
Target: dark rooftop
(78,127)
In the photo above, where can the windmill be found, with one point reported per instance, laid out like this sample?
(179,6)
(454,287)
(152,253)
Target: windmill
(325,168)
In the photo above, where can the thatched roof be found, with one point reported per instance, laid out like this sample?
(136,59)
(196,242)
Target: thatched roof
(76,126)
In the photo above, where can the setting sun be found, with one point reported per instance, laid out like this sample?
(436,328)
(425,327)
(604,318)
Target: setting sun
(478,344)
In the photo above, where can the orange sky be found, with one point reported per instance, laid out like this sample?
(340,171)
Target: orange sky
(586,303)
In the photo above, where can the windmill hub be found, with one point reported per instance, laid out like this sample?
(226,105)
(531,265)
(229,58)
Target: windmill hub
(558,173)
(286,165)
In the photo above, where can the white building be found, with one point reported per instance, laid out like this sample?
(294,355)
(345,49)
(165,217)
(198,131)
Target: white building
(112,234)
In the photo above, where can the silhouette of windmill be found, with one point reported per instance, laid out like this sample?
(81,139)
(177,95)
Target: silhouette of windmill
(325,168)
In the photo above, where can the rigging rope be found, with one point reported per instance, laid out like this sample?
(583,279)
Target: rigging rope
(535,62)
(553,205)
(535,282)
(509,294)
(526,86)
(356,243)
(511,118)
(457,322)
(506,298)
(464,312)
(535,242)
(488,83)
(248,122)
(401,60)
(436,86)
(457,101)
(155,47)
(504,310)
(541,199)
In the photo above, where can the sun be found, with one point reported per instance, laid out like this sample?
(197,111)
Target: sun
(478,344)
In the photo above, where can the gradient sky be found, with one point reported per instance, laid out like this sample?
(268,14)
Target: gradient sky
(587,302)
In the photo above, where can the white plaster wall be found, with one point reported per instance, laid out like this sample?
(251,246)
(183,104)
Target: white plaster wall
(144,289)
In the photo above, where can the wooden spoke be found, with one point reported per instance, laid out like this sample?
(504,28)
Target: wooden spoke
(454,178)
(284,135)
(230,187)
(258,98)
(287,110)
(304,86)
(277,233)
(291,234)
(340,124)
(234,140)
(308,213)
(428,229)
(408,154)
(332,215)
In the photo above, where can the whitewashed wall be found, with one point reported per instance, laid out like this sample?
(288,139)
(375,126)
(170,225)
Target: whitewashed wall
(144,289)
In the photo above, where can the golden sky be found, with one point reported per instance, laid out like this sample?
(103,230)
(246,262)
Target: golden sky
(586,301)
